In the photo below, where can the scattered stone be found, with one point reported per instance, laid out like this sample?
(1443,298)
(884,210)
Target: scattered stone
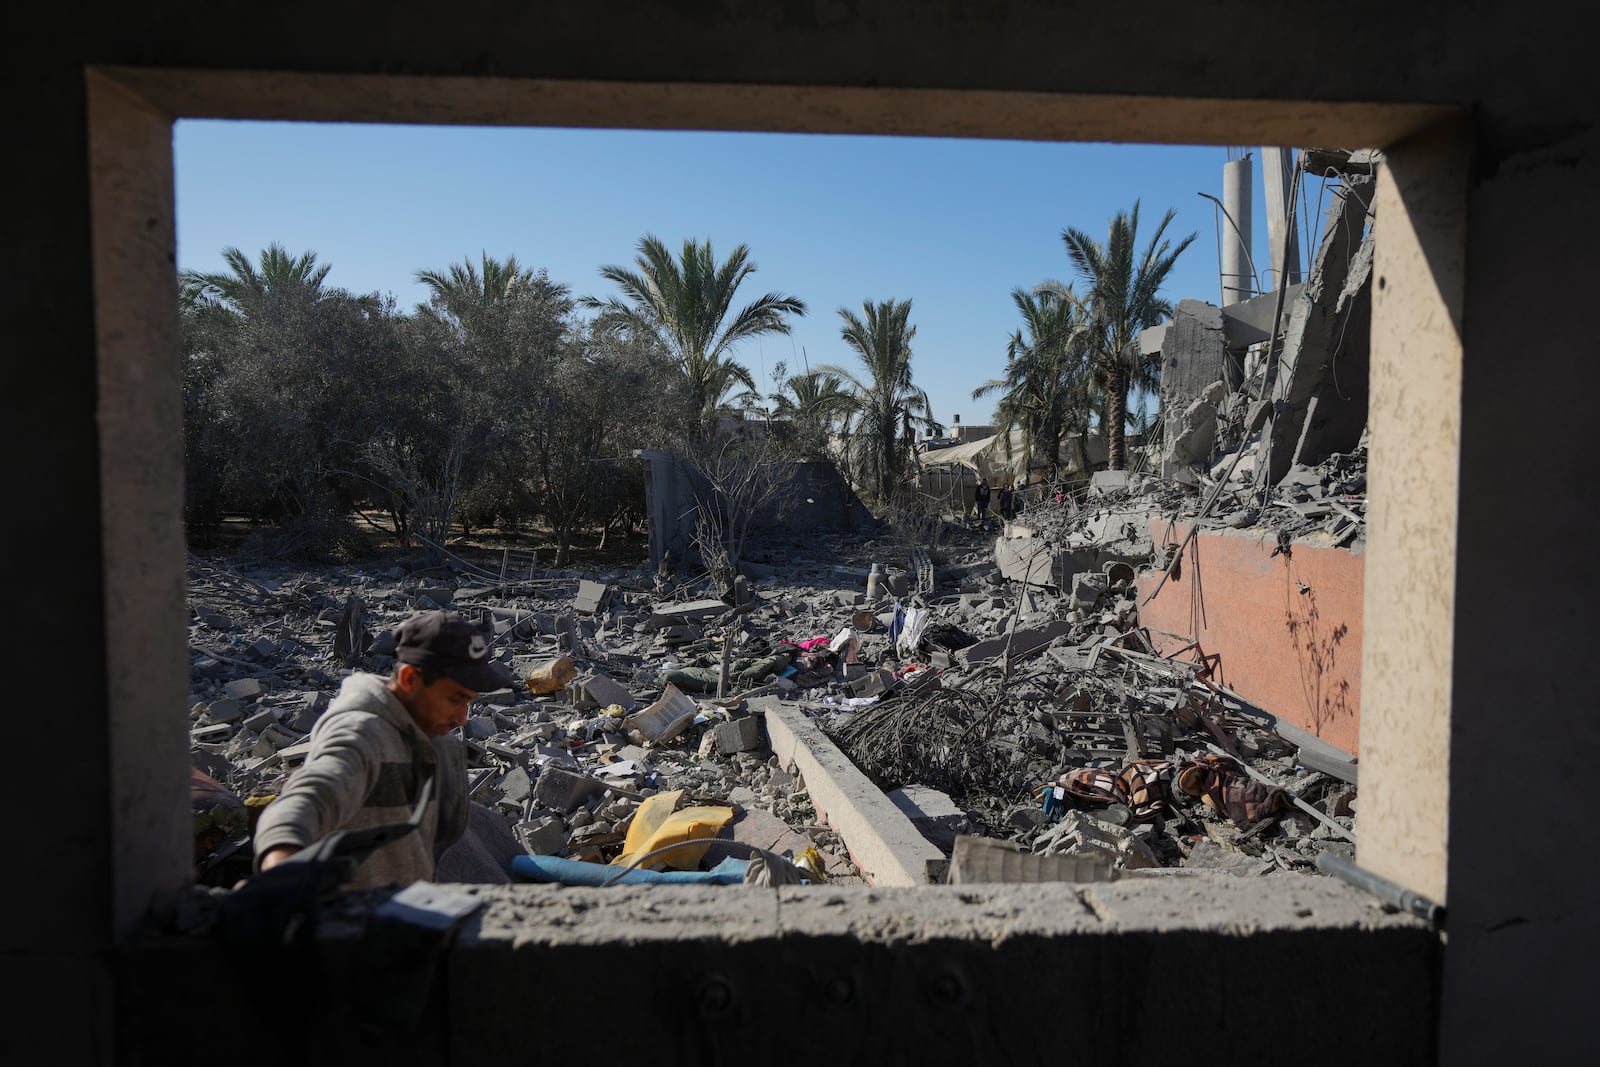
(226,710)
(740,735)
(562,790)
(243,689)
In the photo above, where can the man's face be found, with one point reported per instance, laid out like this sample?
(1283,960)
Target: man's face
(438,708)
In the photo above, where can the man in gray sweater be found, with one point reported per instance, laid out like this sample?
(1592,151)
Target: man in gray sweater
(378,743)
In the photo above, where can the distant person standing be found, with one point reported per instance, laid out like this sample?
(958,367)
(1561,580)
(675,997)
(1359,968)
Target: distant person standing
(1005,502)
(981,496)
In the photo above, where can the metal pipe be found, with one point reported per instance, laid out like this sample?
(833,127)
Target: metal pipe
(1254,274)
(1395,896)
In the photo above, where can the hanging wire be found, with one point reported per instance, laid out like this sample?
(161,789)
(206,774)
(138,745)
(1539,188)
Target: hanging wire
(1254,274)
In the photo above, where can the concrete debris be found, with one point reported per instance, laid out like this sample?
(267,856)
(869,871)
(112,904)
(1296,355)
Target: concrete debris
(964,692)
(557,765)
(738,735)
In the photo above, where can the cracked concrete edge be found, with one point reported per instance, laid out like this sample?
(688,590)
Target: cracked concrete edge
(528,916)
(883,843)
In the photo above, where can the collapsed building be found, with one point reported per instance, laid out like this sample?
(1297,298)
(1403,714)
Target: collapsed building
(1156,671)
(1486,125)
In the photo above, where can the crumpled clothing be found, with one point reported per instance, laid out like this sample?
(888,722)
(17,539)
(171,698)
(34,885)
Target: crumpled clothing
(747,670)
(1144,788)
(1223,786)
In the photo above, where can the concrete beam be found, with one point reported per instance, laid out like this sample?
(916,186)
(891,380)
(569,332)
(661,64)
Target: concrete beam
(1409,593)
(140,415)
(884,843)
(1250,321)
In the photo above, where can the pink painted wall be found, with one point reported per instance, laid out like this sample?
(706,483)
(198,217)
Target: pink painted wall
(1288,629)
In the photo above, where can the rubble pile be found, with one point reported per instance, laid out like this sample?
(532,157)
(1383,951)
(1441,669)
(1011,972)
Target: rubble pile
(1328,498)
(559,763)
(1048,716)
(1085,736)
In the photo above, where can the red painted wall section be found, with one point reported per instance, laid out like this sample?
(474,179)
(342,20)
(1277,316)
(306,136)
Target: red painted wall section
(1287,627)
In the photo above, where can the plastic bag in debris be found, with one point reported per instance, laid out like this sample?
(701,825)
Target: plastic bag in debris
(810,861)
(656,825)
(916,620)
(769,868)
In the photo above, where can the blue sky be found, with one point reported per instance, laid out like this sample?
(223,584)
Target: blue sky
(953,225)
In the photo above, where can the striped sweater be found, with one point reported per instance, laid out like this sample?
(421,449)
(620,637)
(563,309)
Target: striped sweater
(367,764)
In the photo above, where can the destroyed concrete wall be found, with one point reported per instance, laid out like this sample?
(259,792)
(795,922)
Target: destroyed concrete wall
(1313,395)
(669,506)
(1194,354)
(814,498)
(1319,393)
(1287,624)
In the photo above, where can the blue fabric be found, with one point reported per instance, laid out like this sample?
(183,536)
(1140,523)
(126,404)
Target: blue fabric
(576,872)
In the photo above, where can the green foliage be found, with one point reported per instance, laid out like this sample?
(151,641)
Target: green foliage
(685,303)
(885,408)
(303,401)
(810,406)
(1048,384)
(1123,297)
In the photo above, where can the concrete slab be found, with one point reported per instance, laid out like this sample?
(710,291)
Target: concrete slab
(884,844)
(1021,643)
(761,829)
(244,689)
(664,615)
(982,859)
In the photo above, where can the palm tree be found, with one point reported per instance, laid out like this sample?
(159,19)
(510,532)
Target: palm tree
(686,303)
(815,396)
(1046,384)
(1123,298)
(885,408)
(812,403)
(244,287)
(462,289)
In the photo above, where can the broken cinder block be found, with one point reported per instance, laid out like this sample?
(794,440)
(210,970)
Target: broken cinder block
(562,790)
(261,720)
(307,713)
(244,689)
(600,692)
(592,597)
(738,735)
(225,710)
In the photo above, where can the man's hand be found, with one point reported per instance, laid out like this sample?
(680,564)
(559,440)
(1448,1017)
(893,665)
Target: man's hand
(274,856)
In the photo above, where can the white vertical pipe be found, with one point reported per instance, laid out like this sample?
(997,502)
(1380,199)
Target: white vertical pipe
(1238,282)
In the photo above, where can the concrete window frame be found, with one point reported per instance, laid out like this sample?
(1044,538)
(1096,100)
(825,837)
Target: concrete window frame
(1414,420)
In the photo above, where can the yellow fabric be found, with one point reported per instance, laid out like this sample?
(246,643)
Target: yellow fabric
(656,825)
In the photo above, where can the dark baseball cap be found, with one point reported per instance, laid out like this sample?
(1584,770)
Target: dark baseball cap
(448,642)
